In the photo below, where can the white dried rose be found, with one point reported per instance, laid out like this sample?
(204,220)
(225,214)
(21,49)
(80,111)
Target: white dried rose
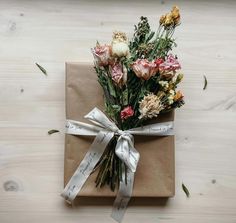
(119,45)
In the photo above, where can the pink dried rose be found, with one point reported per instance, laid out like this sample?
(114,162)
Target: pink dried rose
(144,69)
(126,112)
(170,64)
(102,54)
(159,61)
(118,74)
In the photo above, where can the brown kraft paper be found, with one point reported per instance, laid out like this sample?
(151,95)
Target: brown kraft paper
(155,175)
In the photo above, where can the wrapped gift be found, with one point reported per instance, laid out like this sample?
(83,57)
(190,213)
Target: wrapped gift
(120,115)
(155,174)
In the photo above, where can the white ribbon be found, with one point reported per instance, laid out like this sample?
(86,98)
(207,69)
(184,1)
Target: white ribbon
(104,130)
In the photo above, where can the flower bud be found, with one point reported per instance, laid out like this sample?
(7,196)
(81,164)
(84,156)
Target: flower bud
(119,45)
(179,78)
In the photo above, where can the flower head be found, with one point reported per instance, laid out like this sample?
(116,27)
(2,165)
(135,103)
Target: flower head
(119,74)
(178,96)
(126,112)
(171,97)
(159,61)
(175,15)
(171,18)
(164,84)
(102,54)
(150,106)
(168,19)
(119,44)
(170,64)
(144,69)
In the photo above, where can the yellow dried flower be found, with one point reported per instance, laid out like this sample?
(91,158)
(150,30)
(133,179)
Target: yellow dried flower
(162,19)
(171,18)
(119,36)
(175,14)
(150,106)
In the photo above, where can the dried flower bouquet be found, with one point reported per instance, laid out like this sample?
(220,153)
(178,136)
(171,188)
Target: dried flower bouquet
(139,79)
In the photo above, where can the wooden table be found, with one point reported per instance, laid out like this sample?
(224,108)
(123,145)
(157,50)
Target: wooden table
(52,32)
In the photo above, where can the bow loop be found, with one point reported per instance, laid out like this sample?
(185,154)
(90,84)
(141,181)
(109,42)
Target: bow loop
(97,117)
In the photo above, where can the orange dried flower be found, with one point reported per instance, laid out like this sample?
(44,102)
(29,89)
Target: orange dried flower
(179,95)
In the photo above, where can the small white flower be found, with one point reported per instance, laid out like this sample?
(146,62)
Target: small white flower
(170,99)
(172,92)
(164,84)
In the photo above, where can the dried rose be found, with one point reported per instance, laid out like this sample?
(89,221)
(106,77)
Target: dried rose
(171,18)
(144,69)
(119,45)
(162,19)
(126,112)
(175,15)
(119,74)
(159,61)
(170,64)
(102,54)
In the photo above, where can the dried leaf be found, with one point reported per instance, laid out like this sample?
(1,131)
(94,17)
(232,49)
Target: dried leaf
(149,36)
(205,82)
(185,189)
(41,68)
(125,97)
(52,131)
(111,88)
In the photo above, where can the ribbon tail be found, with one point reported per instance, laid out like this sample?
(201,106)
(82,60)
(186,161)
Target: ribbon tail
(87,165)
(123,196)
(157,129)
(80,128)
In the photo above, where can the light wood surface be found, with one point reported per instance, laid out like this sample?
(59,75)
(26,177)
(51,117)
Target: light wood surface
(52,32)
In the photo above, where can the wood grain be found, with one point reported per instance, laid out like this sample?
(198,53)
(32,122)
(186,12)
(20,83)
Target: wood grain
(52,32)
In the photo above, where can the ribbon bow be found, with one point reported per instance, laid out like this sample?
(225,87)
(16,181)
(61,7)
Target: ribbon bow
(104,130)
